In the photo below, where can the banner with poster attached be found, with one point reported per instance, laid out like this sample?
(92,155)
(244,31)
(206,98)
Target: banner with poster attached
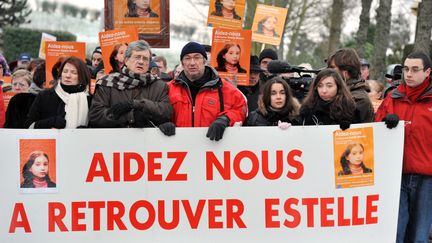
(150,17)
(113,44)
(268,24)
(226,13)
(57,52)
(97,184)
(230,54)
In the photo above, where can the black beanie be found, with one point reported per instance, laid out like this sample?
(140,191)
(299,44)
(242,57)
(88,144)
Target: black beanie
(268,53)
(193,47)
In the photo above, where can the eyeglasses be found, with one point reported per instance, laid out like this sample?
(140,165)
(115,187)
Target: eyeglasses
(413,69)
(139,57)
(188,59)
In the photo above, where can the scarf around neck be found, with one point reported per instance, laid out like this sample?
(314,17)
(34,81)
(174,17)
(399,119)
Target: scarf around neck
(126,79)
(76,107)
(414,93)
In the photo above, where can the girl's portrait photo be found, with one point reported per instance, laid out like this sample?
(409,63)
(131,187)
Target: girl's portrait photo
(36,171)
(226,9)
(117,57)
(352,160)
(228,59)
(140,9)
(267,26)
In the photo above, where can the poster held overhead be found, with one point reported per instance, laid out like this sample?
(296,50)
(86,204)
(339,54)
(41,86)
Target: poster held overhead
(226,13)
(268,24)
(151,18)
(231,54)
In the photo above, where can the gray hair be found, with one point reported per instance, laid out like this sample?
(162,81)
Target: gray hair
(139,45)
(22,73)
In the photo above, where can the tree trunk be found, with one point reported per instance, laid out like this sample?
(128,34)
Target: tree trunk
(381,41)
(296,30)
(336,25)
(363,27)
(284,4)
(424,27)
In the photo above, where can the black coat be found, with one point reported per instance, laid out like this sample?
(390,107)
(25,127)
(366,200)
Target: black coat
(46,106)
(19,106)
(256,118)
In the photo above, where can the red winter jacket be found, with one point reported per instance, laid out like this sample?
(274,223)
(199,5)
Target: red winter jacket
(207,103)
(2,108)
(417,157)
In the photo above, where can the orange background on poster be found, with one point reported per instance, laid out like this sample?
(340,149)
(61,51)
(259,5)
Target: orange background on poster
(244,40)
(107,44)
(340,143)
(261,12)
(217,21)
(78,49)
(120,9)
(45,145)
(7,96)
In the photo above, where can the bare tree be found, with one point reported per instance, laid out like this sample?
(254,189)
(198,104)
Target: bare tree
(363,27)
(381,40)
(336,24)
(424,27)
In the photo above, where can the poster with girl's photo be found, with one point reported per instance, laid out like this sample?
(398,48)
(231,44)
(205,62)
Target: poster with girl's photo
(230,54)
(56,52)
(226,13)
(150,17)
(113,44)
(37,166)
(268,24)
(354,157)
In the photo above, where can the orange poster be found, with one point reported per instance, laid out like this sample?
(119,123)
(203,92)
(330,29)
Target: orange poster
(354,157)
(37,160)
(230,54)
(56,51)
(268,24)
(114,44)
(6,83)
(7,96)
(226,13)
(150,17)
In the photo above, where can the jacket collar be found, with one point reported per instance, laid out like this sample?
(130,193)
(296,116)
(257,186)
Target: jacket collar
(212,82)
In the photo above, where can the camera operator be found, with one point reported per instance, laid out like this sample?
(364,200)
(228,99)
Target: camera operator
(265,57)
(252,92)
(394,78)
(347,63)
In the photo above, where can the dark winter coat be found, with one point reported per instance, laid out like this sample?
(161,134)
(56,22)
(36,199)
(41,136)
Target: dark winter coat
(19,107)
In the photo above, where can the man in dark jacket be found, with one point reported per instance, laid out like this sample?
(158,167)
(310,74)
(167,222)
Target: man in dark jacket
(200,98)
(132,97)
(252,91)
(347,63)
(412,102)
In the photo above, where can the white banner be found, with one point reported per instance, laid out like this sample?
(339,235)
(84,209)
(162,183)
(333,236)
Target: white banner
(255,185)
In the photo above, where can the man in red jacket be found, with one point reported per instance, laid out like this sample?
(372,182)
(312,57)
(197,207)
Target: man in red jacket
(200,98)
(412,102)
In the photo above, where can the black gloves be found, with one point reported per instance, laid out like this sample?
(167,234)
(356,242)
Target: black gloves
(168,128)
(391,120)
(217,128)
(344,125)
(141,119)
(58,122)
(119,109)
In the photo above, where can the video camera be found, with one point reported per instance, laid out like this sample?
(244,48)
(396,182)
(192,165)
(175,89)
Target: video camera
(299,85)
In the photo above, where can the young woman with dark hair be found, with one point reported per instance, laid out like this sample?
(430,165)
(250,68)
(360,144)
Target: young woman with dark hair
(226,9)
(228,59)
(66,104)
(328,102)
(140,9)
(276,106)
(352,159)
(35,171)
(117,57)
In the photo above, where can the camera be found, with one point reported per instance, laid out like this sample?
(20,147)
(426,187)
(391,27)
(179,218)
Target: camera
(299,85)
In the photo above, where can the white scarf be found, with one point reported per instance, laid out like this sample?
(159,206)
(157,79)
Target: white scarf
(76,107)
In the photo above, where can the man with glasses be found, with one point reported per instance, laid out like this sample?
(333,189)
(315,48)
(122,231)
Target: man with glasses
(412,102)
(131,97)
(200,98)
